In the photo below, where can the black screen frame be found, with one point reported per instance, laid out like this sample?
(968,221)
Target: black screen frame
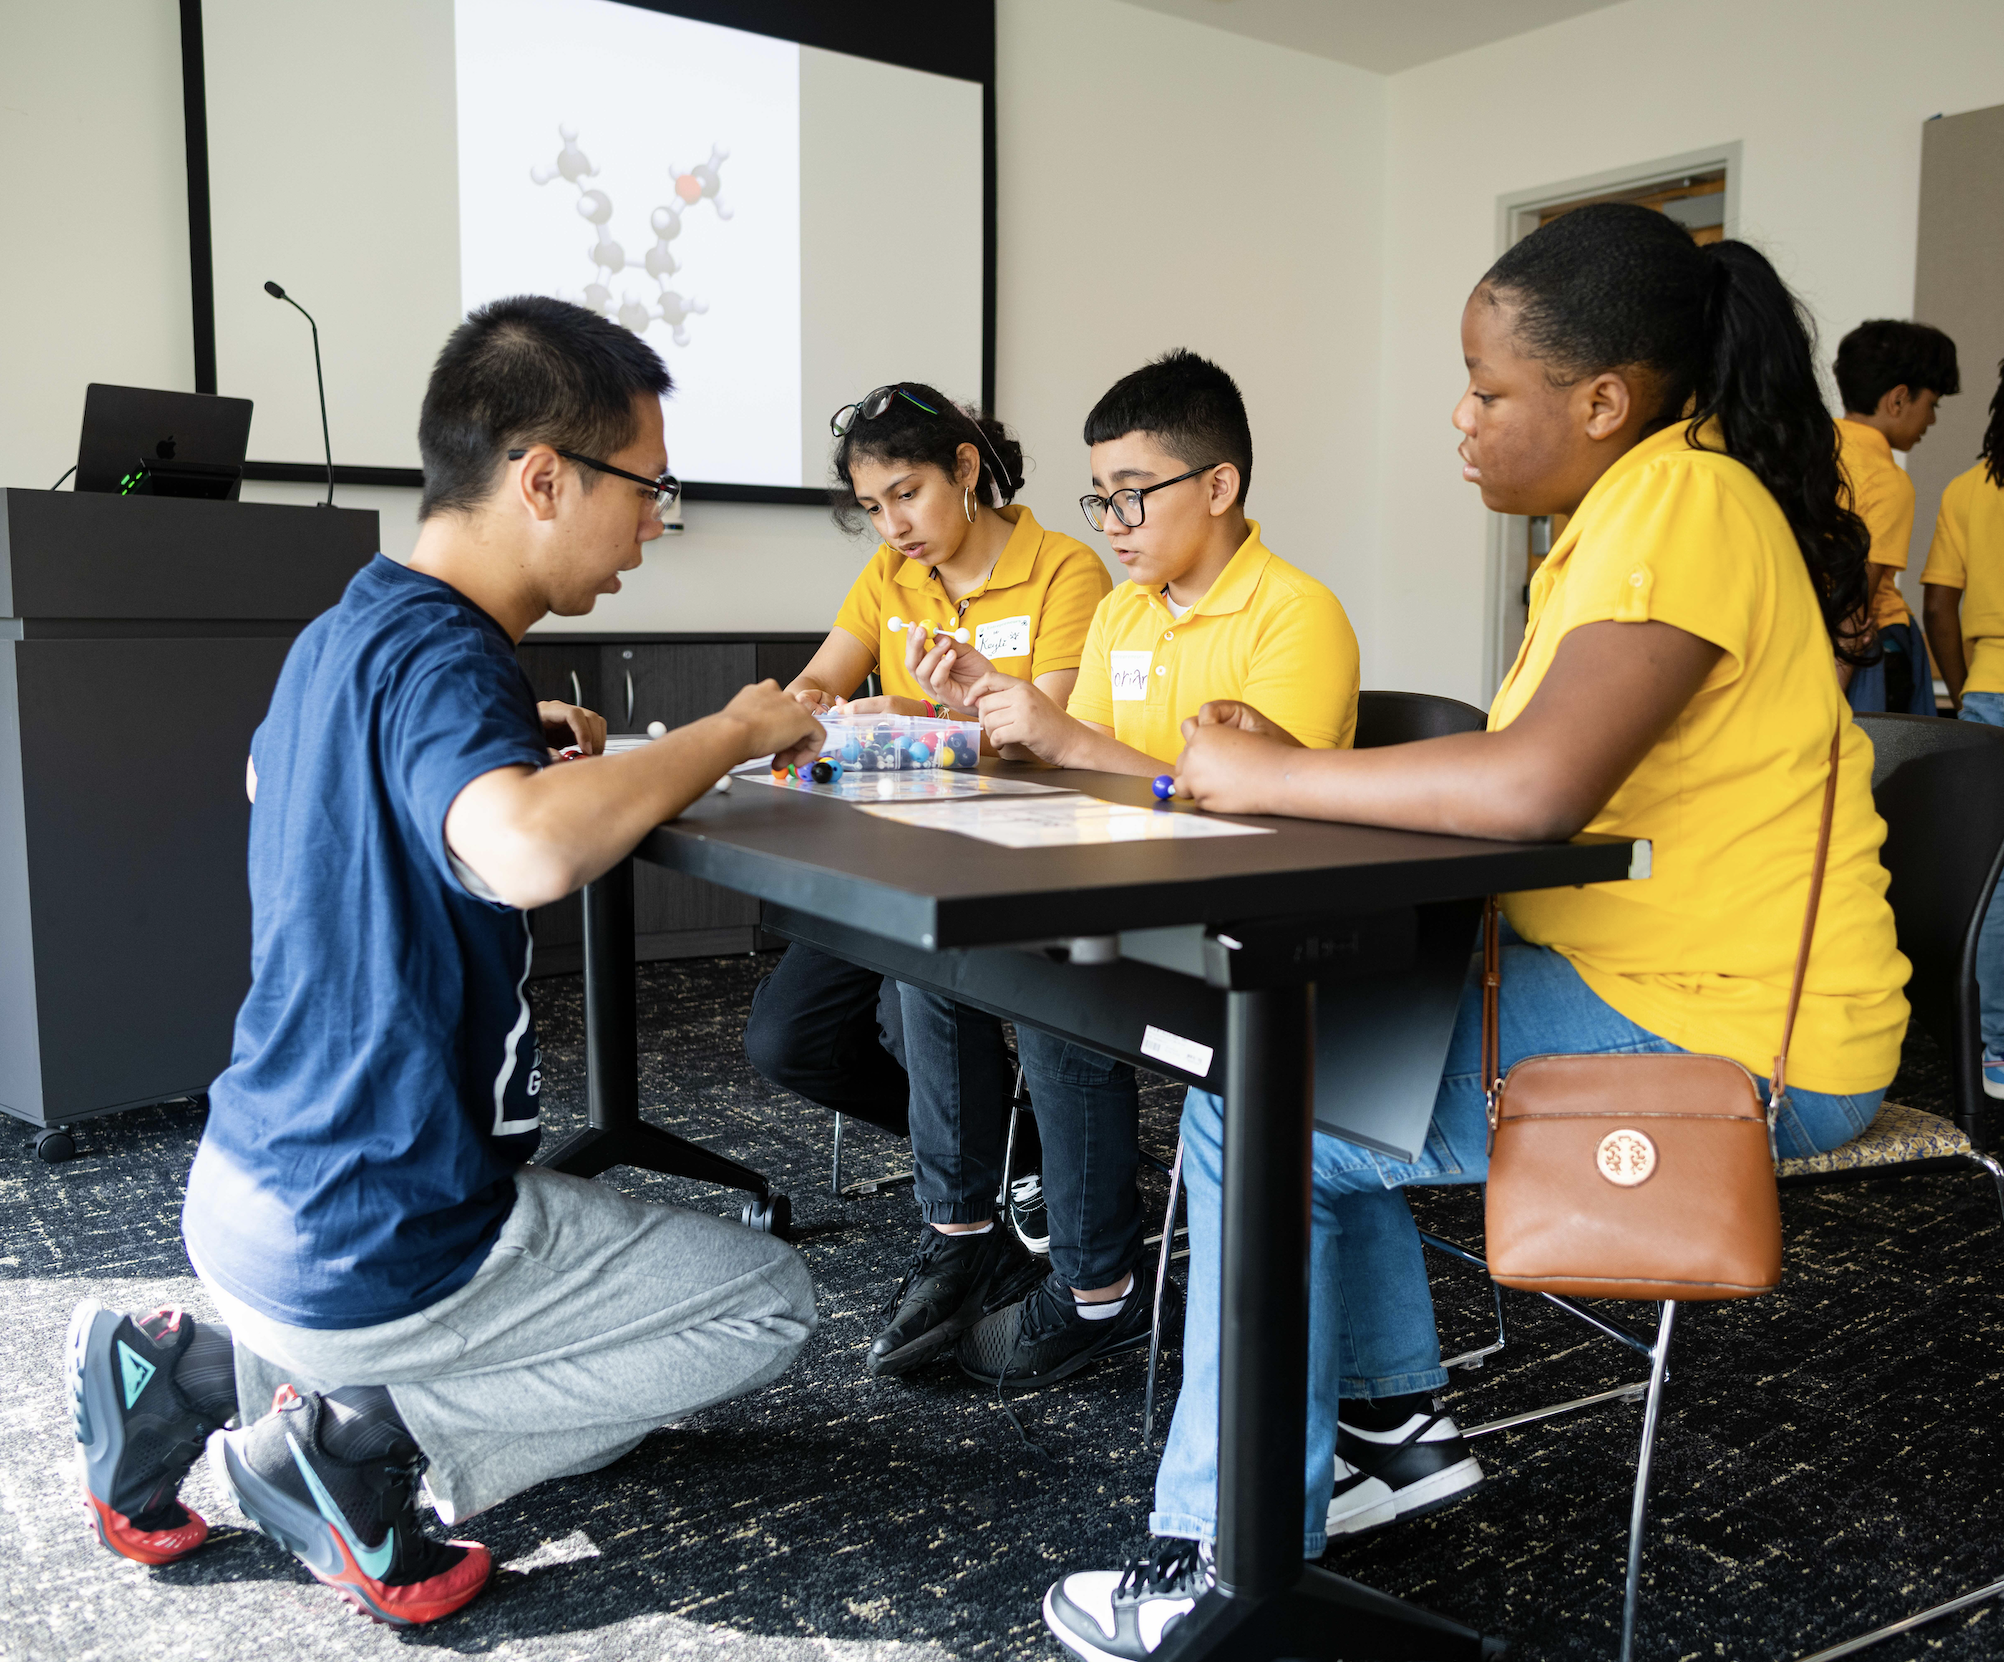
(956,40)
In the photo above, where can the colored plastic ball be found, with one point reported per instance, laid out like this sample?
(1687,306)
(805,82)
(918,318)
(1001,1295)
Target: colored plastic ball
(825,775)
(1164,787)
(850,751)
(947,758)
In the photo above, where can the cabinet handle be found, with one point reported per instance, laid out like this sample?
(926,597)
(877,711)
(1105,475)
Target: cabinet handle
(629,698)
(577,692)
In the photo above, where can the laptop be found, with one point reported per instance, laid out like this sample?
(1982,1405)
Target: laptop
(139,441)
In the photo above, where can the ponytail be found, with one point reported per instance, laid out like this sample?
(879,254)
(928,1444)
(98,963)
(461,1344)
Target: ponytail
(925,426)
(1730,349)
(1992,453)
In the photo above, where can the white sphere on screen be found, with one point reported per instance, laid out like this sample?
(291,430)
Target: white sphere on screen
(657,729)
(595,206)
(634,315)
(597,296)
(661,261)
(667,222)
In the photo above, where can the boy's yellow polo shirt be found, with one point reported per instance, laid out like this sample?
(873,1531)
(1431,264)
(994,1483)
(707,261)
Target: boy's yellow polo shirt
(1030,614)
(1264,633)
(1968,554)
(1883,497)
(1702,951)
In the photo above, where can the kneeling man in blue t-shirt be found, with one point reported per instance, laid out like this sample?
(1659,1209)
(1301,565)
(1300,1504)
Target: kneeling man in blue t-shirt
(419,1306)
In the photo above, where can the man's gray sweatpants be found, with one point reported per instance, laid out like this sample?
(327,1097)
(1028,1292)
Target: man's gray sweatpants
(593,1320)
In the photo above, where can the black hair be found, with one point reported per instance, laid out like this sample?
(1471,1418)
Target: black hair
(1992,453)
(522,371)
(1619,286)
(1886,353)
(906,430)
(1188,405)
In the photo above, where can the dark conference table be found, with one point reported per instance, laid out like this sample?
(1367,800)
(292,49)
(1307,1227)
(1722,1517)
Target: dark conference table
(1200,958)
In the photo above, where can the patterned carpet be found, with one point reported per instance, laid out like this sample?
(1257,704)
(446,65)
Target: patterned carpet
(1830,1458)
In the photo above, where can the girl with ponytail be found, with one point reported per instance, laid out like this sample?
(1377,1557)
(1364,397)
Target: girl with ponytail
(1675,683)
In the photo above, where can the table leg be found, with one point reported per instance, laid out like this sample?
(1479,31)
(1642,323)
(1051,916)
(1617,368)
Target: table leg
(614,1133)
(1268,1603)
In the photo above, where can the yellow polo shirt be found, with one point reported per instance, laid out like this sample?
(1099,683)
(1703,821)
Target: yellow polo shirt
(1968,554)
(1264,633)
(1030,614)
(1883,497)
(1702,951)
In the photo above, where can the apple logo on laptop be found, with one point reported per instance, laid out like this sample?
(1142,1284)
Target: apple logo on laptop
(165,448)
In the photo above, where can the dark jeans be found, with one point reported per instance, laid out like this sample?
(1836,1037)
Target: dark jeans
(831,1031)
(1087,1112)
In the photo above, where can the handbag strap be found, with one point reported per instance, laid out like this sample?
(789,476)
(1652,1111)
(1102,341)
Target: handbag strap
(1492,964)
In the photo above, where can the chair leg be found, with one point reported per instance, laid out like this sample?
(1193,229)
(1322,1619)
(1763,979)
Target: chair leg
(1990,1164)
(1016,1100)
(1638,1515)
(835,1178)
(1161,1281)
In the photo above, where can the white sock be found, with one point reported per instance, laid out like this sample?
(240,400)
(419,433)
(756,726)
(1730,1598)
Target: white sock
(983,1230)
(1104,1310)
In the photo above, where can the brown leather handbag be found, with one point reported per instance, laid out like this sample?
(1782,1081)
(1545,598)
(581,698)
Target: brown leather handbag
(1645,1177)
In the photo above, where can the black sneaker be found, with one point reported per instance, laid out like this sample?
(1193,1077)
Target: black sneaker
(1028,1215)
(352,1523)
(1122,1615)
(1043,1338)
(947,1283)
(1415,1468)
(137,1435)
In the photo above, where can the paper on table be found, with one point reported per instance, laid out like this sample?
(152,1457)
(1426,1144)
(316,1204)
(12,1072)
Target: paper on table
(907,785)
(1060,822)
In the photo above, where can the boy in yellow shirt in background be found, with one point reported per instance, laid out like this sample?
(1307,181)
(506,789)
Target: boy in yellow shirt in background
(1963,603)
(1208,613)
(1891,375)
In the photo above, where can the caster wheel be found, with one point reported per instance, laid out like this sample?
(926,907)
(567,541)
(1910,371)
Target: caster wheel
(55,1146)
(773,1215)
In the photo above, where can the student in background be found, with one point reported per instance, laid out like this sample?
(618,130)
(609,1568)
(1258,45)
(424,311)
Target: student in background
(1674,684)
(1963,603)
(1207,613)
(1891,375)
(936,483)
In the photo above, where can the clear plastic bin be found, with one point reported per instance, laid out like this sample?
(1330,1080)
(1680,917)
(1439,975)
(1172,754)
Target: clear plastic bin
(891,744)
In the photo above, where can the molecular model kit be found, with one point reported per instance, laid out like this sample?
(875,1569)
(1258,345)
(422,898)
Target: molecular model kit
(699,184)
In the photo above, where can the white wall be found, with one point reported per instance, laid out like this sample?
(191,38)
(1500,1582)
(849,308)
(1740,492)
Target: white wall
(1827,100)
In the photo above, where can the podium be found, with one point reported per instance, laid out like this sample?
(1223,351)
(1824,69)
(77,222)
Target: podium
(140,638)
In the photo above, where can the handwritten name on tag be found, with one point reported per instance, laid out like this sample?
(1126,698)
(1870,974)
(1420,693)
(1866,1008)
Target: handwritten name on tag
(1130,675)
(1005,637)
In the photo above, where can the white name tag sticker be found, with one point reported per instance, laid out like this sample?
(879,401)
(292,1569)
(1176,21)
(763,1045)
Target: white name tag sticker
(1006,637)
(1177,1051)
(1130,675)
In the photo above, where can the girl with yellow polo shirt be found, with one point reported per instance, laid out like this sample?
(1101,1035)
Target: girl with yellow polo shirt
(936,483)
(1674,684)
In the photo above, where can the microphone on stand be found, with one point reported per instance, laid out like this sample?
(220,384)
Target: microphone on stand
(278,293)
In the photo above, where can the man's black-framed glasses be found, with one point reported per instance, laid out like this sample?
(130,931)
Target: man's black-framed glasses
(870,406)
(667,489)
(1127,505)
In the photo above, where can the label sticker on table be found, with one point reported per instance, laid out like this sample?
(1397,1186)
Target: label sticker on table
(1058,821)
(1177,1051)
(1005,637)
(1129,672)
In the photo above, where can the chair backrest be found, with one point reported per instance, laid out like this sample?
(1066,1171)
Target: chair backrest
(1401,717)
(1939,786)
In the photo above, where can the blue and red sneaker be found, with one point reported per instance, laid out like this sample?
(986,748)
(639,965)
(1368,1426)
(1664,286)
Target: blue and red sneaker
(352,1523)
(137,1434)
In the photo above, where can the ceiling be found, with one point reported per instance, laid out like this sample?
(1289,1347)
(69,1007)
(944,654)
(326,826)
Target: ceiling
(1381,35)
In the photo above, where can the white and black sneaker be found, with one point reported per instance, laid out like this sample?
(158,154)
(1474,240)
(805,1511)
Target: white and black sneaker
(1028,1215)
(1123,1615)
(1384,1473)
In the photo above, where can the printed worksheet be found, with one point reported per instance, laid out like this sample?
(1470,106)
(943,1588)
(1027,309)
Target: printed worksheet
(1059,822)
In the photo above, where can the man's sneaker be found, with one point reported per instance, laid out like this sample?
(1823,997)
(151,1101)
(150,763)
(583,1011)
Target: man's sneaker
(1993,1074)
(1383,1475)
(137,1435)
(353,1524)
(1043,1338)
(947,1283)
(1122,1615)
(1028,1215)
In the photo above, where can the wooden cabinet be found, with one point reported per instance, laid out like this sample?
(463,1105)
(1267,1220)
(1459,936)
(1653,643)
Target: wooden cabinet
(673,679)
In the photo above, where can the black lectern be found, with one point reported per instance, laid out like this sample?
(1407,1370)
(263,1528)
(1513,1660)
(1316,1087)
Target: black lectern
(140,638)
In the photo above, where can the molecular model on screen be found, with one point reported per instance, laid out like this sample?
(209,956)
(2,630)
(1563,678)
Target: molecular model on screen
(608,258)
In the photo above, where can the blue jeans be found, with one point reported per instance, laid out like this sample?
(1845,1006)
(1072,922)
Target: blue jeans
(1370,1319)
(1988,708)
(1087,1108)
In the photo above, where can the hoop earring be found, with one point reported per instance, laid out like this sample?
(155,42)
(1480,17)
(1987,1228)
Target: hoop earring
(967,503)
